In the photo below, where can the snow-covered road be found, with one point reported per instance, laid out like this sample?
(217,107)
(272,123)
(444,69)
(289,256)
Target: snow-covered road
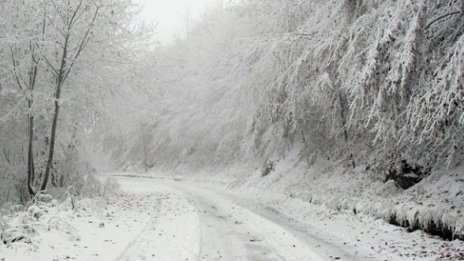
(201,223)
(169,219)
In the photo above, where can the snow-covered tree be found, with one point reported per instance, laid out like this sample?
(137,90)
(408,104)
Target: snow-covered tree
(340,78)
(51,53)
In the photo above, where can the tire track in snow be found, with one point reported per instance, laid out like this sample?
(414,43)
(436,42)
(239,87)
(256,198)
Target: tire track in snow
(228,228)
(144,234)
(171,234)
(231,232)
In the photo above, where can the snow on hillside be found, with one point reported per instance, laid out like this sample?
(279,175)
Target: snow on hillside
(438,199)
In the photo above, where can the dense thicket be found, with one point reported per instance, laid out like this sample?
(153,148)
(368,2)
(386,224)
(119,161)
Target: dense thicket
(345,79)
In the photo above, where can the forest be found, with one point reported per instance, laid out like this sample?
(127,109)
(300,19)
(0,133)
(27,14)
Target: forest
(251,81)
(370,87)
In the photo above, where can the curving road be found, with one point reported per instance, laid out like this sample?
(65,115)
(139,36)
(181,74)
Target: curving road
(200,223)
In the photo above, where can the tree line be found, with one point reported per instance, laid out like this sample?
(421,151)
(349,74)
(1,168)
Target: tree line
(355,80)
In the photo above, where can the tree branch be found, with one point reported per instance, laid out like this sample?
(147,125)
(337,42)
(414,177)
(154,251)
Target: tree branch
(84,41)
(15,68)
(55,71)
(441,17)
(74,15)
(58,11)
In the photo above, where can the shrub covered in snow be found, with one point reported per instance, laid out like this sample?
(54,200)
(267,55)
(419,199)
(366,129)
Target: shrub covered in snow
(24,225)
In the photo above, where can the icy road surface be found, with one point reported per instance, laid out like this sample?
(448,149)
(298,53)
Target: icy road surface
(198,223)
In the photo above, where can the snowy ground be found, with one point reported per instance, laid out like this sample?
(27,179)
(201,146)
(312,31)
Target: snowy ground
(176,219)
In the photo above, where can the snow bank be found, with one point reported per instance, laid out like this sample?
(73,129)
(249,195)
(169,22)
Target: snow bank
(434,205)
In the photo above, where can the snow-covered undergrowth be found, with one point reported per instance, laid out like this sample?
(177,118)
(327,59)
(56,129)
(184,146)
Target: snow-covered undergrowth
(9,190)
(434,205)
(48,222)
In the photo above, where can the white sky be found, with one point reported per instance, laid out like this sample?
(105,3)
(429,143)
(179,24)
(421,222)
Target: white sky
(171,15)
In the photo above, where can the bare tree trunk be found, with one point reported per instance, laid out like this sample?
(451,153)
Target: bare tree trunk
(51,150)
(342,115)
(144,144)
(59,83)
(62,74)
(32,82)
(30,155)
(32,73)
